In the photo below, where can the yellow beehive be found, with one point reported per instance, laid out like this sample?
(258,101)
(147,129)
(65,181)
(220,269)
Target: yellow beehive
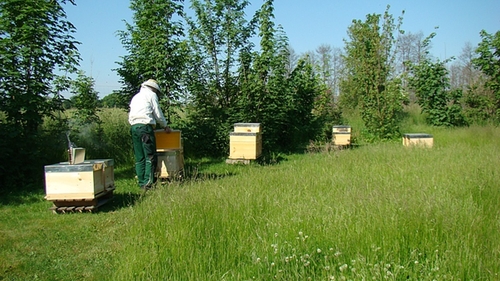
(245,145)
(247,128)
(84,181)
(418,139)
(166,140)
(341,135)
(170,163)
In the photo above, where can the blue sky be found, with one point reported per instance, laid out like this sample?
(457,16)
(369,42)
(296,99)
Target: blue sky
(307,23)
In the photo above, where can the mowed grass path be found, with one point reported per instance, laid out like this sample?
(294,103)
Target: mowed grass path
(377,212)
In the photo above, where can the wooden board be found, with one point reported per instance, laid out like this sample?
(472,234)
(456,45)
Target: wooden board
(245,145)
(166,140)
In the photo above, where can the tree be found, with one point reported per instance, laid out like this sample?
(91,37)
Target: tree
(35,41)
(219,43)
(369,83)
(156,49)
(115,99)
(282,101)
(431,84)
(488,61)
(85,100)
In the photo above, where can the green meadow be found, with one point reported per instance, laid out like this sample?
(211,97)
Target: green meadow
(374,212)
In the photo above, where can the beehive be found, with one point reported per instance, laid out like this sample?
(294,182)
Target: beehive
(341,135)
(247,128)
(166,140)
(245,145)
(418,139)
(170,163)
(83,181)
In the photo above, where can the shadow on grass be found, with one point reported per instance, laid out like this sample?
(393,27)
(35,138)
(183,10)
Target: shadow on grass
(120,201)
(16,197)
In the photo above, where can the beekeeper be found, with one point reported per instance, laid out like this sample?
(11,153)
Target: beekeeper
(145,116)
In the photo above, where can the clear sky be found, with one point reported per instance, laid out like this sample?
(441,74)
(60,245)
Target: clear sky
(307,23)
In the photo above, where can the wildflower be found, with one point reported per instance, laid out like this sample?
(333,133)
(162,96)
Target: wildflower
(343,267)
(318,250)
(337,254)
(275,234)
(272,264)
(300,233)
(258,259)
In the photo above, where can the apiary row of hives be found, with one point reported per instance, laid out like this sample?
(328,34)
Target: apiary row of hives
(83,184)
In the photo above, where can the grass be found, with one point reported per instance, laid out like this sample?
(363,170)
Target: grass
(378,212)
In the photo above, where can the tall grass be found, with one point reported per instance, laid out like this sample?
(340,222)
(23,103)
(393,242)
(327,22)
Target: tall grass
(377,212)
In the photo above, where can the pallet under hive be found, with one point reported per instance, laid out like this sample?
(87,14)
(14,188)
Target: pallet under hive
(79,205)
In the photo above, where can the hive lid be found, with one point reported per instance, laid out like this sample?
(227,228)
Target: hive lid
(85,166)
(247,124)
(417,135)
(246,134)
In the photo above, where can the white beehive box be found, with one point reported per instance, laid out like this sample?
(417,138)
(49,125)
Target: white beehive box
(341,135)
(418,139)
(83,181)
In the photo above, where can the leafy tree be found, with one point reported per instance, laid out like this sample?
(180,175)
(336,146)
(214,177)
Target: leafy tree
(156,49)
(282,101)
(86,99)
(219,40)
(115,99)
(35,41)
(369,83)
(488,61)
(432,88)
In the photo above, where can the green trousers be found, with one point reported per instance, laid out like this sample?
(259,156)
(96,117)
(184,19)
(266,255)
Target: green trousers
(146,160)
